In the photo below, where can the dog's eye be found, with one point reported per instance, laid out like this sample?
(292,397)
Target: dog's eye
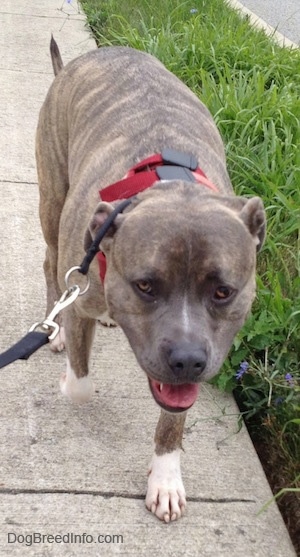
(222,293)
(144,286)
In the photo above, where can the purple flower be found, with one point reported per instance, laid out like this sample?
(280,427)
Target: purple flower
(193,11)
(244,366)
(289,378)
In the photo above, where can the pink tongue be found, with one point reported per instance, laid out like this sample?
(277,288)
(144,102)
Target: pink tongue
(176,396)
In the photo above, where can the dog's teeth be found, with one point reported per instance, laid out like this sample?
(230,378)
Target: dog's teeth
(161,387)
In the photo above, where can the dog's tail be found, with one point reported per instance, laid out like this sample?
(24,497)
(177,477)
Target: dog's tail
(57,62)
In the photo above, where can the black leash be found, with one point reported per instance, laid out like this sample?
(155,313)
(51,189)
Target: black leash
(24,348)
(34,339)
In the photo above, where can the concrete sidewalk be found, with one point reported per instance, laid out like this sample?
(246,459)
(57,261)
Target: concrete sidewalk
(282,16)
(67,470)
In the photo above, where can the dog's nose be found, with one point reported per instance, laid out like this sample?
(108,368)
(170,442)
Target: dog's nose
(187,361)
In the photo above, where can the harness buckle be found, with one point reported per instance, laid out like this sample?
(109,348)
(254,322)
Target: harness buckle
(176,158)
(175,173)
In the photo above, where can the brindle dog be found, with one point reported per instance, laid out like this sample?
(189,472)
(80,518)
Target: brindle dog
(181,259)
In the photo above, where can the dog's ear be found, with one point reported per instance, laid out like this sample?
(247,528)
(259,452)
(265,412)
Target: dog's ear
(103,210)
(251,212)
(254,217)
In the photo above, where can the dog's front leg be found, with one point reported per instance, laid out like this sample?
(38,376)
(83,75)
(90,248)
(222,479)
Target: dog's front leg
(166,495)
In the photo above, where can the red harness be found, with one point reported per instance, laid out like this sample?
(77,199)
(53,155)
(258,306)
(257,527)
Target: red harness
(146,173)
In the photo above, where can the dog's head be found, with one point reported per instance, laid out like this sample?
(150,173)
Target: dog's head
(180,281)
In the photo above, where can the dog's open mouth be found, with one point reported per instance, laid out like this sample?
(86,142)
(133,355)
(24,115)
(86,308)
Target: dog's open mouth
(174,398)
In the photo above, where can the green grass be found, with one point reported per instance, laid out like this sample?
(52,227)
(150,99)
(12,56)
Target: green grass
(252,87)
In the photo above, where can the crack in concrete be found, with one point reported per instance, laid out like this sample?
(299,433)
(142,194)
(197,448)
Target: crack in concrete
(76,16)
(111,494)
(18,182)
(25,72)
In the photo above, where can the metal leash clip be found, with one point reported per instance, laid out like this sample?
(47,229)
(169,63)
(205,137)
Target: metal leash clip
(68,297)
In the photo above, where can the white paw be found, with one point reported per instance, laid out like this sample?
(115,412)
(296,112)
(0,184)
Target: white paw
(106,321)
(77,390)
(166,494)
(59,343)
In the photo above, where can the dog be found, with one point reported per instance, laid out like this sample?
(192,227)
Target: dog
(181,257)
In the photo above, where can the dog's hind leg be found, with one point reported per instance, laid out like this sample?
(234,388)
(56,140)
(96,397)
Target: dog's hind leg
(50,223)
(166,494)
(53,188)
(75,383)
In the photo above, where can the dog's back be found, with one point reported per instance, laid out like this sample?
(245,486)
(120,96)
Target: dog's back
(136,101)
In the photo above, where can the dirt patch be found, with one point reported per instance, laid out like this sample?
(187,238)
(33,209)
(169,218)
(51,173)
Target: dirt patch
(280,470)
(274,466)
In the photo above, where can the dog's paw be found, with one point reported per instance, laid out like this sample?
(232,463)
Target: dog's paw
(166,494)
(106,321)
(58,344)
(77,390)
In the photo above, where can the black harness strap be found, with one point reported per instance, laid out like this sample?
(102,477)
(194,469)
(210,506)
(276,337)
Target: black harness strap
(94,247)
(24,348)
